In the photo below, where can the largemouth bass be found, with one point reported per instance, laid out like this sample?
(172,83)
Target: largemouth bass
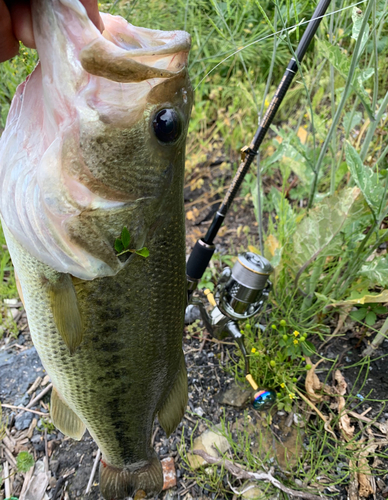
(95,144)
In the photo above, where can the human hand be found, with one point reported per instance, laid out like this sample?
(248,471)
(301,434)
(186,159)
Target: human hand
(16,24)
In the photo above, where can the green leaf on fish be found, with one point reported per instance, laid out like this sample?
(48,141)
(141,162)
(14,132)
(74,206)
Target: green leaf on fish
(119,247)
(122,245)
(144,252)
(125,237)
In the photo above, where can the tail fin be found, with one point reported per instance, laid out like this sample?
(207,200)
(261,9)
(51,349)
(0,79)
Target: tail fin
(118,484)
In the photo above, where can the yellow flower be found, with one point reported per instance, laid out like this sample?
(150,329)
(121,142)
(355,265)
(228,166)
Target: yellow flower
(253,349)
(296,341)
(283,385)
(276,217)
(291,395)
(296,333)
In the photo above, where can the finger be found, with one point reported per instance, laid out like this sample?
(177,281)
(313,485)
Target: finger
(9,46)
(91,7)
(22,22)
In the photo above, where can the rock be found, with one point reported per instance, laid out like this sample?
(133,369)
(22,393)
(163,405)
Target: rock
(170,495)
(192,314)
(199,411)
(251,491)
(169,476)
(36,439)
(284,447)
(209,442)
(18,371)
(298,420)
(235,395)
(23,421)
(23,401)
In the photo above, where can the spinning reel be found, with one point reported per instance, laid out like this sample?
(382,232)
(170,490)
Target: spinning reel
(240,294)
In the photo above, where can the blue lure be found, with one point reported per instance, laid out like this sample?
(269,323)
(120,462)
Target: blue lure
(263,399)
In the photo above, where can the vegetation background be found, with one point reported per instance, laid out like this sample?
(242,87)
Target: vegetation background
(319,192)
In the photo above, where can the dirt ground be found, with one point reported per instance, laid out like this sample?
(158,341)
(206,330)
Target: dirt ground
(70,463)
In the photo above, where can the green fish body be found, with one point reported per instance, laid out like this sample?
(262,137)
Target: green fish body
(81,159)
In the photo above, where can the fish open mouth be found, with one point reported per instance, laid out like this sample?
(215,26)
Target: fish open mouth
(125,53)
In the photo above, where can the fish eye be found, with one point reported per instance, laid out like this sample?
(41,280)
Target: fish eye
(167,125)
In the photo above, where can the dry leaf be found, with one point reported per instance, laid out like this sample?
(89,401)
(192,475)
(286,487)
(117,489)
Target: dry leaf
(365,488)
(341,383)
(313,383)
(344,423)
(353,485)
(344,313)
(367,484)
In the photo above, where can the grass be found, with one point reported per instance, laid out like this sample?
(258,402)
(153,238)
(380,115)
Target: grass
(323,211)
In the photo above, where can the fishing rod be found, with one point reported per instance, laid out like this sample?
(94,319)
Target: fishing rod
(243,290)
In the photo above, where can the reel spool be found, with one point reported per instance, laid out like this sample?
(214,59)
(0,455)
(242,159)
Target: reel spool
(247,286)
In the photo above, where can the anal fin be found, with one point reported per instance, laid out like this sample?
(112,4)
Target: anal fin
(64,418)
(174,407)
(67,317)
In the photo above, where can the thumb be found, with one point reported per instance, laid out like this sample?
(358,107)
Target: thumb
(91,7)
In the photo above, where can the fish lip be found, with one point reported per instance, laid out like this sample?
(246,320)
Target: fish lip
(129,54)
(176,41)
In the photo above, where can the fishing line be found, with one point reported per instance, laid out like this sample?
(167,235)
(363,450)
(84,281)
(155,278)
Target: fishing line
(280,32)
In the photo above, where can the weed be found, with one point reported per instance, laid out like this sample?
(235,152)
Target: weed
(24,462)
(46,425)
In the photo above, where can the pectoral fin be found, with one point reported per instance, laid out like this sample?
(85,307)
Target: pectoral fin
(174,407)
(66,313)
(64,418)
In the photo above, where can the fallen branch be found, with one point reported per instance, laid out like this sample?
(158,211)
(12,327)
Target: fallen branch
(377,341)
(93,473)
(39,396)
(23,409)
(382,427)
(241,473)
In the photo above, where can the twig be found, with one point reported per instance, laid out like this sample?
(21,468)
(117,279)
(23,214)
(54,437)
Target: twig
(58,487)
(35,385)
(377,341)
(39,396)
(7,483)
(186,489)
(26,483)
(24,408)
(382,427)
(93,473)
(241,473)
(61,480)
(319,413)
